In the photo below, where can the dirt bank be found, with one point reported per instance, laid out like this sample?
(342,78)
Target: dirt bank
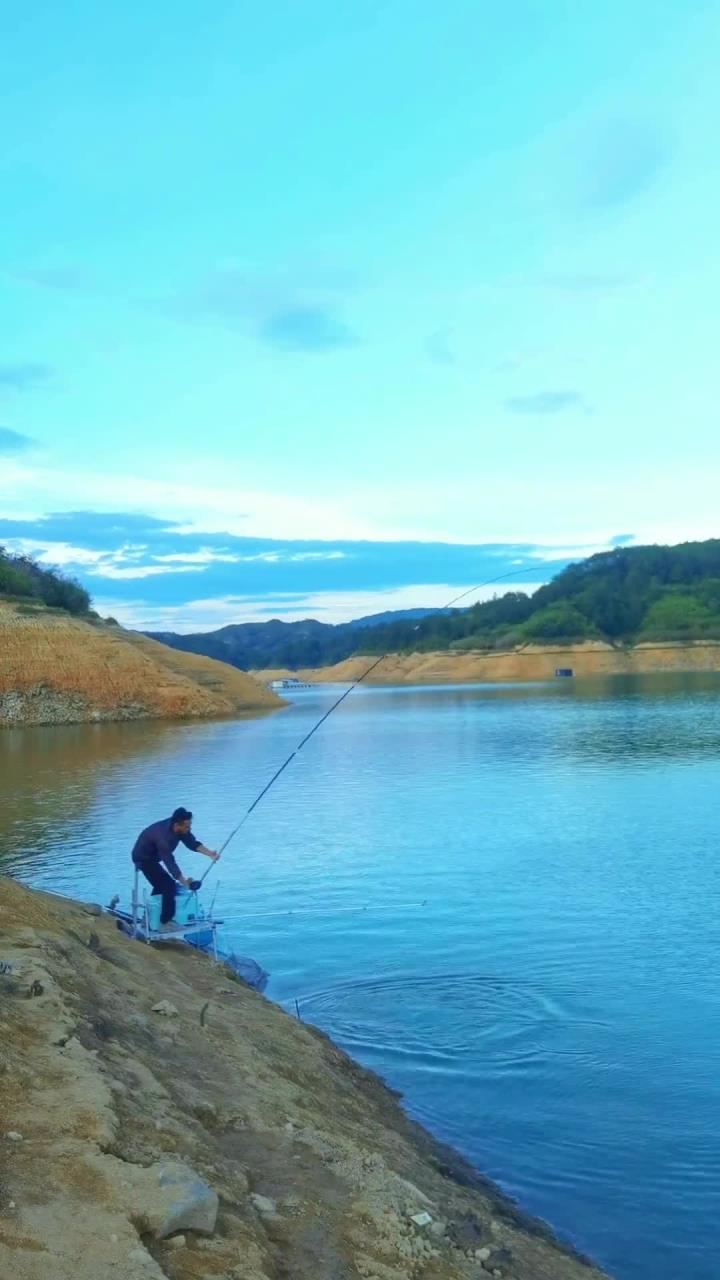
(215,1137)
(57,669)
(529,663)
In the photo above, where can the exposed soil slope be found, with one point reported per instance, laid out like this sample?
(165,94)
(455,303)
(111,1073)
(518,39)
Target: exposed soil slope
(55,668)
(532,662)
(317,1170)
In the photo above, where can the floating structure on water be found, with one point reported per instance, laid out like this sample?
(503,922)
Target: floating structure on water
(289,684)
(566,672)
(192,925)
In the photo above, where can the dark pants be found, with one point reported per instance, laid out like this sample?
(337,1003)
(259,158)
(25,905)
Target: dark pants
(161,883)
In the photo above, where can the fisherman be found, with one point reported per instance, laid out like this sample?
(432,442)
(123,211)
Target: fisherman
(156,845)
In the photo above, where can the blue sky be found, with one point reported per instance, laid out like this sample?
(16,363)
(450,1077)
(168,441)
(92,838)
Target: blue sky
(381,294)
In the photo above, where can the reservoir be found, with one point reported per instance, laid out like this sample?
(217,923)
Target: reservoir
(504,899)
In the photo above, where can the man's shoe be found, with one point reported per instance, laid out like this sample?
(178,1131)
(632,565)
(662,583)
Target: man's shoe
(168,927)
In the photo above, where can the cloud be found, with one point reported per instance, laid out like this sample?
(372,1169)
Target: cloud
(72,278)
(291,311)
(547,402)
(15,441)
(620,159)
(267,576)
(141,570)
(327,606)
(438,348)
(24,375)
(568,554)
(307,329)
(203,556)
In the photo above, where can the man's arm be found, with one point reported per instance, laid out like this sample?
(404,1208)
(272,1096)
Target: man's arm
(191,842)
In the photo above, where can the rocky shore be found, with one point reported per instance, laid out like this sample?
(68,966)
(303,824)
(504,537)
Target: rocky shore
(159,1120)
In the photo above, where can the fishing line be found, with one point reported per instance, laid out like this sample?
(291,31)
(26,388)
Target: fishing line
(324,911)
(514,573)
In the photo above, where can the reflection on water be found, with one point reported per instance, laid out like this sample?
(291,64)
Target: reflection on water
(553,1008)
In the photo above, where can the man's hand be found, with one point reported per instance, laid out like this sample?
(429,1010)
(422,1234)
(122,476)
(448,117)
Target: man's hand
(209,853)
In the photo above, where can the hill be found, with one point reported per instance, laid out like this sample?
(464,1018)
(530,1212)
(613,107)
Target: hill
(220,1139)
(56,667)
(255,645)
(628,596)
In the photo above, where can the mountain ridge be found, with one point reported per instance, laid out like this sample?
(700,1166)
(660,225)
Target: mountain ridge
(625,596)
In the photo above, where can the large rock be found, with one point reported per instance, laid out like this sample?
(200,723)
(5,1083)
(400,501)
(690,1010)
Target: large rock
(176,1199)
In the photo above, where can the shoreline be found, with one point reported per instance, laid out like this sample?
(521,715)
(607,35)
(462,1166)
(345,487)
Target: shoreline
(316,1168)
(523,665)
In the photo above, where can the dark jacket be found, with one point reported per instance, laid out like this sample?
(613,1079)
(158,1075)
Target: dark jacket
(158,843)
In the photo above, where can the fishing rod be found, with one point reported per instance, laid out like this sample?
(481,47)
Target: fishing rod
(514,573)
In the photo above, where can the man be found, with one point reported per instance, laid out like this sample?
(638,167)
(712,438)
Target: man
(156,845)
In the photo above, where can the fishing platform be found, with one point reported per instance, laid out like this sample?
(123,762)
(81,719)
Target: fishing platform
(192,924)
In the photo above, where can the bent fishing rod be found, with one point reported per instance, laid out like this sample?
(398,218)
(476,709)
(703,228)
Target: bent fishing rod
(441,609)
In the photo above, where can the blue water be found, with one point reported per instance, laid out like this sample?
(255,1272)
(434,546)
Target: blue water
(537,966)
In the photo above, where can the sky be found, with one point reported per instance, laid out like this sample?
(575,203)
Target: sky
(324,308)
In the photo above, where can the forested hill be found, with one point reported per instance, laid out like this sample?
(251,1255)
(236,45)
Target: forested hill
(626,595)
(23,578)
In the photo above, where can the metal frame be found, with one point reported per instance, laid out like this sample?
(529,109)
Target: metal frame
(141,923)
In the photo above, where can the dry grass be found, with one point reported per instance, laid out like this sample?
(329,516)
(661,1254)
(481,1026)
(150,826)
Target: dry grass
(117,673)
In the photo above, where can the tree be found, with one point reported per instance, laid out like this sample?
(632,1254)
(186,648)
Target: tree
(560,621)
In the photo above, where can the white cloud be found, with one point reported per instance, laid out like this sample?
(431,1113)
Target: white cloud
(204,556)
(57,553)
(548,511)
(570,553)
(106,564)
(142,570)
(216,508)
(318,555)
(326,606)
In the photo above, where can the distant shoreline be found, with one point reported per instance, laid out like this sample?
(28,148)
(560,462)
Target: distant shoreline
(527,663)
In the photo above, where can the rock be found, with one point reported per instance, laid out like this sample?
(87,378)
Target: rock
(173,1198)
(482,1255)
(264,1205)
(92,909)
(468,1233)
(139,1255)
(176,1242)
(14,1136)
(499,1258)
(438,1229)
(165,1008)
